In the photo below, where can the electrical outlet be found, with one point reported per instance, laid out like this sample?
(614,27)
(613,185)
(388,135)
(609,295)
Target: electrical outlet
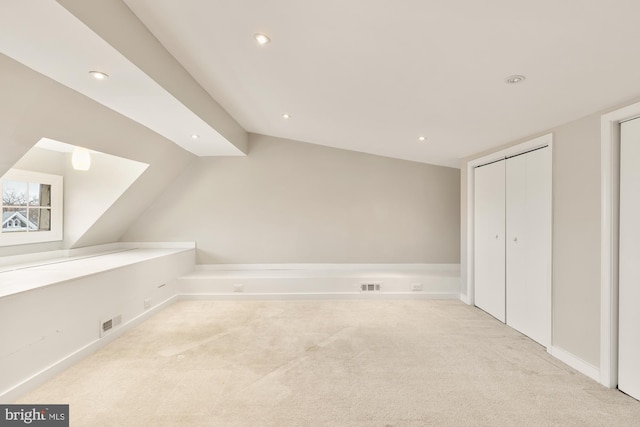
(238,287)
(416,287)
(147,303)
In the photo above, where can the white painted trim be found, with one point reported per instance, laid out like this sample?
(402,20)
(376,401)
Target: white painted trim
(39,378)
(40,258)
(609,204)
(309,271)
(451,268)
(321,296)
(576,363)
(157,245)
(471,164)
(465,299)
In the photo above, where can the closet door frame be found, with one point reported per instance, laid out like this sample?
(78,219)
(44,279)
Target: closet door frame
(610,211)
(467,294)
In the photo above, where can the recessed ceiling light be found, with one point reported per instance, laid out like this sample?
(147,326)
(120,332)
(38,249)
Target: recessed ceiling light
(517,78)
(98,75)
(194,136)
(421,138)
(261,38)
(286,116)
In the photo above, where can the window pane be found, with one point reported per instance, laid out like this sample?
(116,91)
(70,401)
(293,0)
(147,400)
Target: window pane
(39,194)
(39,219)
(14,193)
(14,220)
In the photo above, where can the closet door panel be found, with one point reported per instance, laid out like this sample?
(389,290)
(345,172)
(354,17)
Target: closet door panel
(528,244)
(516,250)
(629,260)
(489,229)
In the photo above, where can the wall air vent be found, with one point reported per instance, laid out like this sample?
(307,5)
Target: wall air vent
(370,287)
(107,325)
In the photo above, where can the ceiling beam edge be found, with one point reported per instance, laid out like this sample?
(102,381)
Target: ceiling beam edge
(115,23)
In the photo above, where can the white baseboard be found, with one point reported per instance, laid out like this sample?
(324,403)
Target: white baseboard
(465,299)
(575,362)
(50,372)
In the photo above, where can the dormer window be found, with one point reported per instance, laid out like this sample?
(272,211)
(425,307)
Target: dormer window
(31,207)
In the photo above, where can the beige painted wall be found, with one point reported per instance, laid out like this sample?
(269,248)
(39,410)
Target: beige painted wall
(90,194)
(576,238)
(576,235)
(87,194)
(41,160)
(291,202)
(33,106)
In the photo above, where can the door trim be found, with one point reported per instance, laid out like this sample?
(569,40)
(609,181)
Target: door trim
(609,216)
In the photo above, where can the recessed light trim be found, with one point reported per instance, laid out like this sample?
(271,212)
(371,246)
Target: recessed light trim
(98,75)
(261,39)
(516,78)
(422,138)
(286,116)
(195,136)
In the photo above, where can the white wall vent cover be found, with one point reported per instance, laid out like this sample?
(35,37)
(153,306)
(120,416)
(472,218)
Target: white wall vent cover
(370,287)
(107,325)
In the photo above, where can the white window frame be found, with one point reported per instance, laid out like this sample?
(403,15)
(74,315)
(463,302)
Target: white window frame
(53,235)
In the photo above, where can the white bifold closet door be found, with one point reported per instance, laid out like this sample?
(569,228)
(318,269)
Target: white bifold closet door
(512,242)
(629,259)
(528,243)
(489,248)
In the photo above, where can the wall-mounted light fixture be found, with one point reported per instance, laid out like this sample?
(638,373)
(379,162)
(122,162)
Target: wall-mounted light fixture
(81,159)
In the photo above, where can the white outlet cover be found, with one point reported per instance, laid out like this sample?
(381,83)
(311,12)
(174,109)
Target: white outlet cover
(238,287)
(416,286)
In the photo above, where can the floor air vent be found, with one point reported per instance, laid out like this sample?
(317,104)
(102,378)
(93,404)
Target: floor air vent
(370,287)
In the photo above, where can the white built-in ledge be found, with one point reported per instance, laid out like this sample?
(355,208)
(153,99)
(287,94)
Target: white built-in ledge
(441,281)
(323,270)
(27,272)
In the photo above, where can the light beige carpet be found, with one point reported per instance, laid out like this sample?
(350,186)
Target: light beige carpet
(329,363)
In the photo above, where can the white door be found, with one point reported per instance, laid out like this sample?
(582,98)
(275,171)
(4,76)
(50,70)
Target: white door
(629,258)
(528,244)
(489,228)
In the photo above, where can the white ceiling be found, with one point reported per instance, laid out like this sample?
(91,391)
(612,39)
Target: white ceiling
(364,75)
(373,75)
(47,38)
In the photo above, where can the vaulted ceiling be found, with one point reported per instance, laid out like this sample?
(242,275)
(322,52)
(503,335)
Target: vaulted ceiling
(366,75)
